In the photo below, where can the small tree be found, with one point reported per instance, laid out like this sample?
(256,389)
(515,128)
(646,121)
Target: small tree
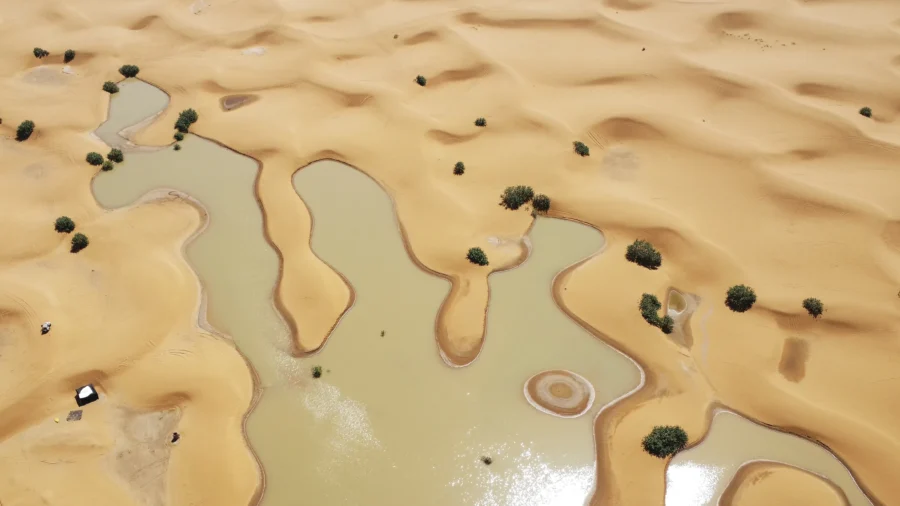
(813,306)
(650,307)
(644,254)
(79,242)
(317,371)
(481,122)
(664,441)
(866,111)
(178,136)
(94,158)
(129,70)
(182,126)
(107,166)
(477,256)
(666,324)
(64,225)
(740,298)
(110,87)
(189,115)
(459,169)
(581,148)
(115,155)
(514,197)
(26,128)
(69,55)
(421,81)
(177,147)
(541,203)
(40,53)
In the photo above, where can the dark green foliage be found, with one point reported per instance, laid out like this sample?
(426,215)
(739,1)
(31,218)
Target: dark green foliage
(317,371)
(94,158)
(477,256)
(866,111)
(26,128)
(740,298)
(666,324)
(186,118)
(421,81)
(110,87)
(107,166)
(481,122)
(182,126)
(179,136)
(541,203)
(64,225)
(644,254)
(79,242)
(459,169)
(514,197)
(177,147)
(115,155)
(650,307)
(40,53)
(581,148)
(664,441)
(69,55)
(129,70)
(813,306)
(487,460)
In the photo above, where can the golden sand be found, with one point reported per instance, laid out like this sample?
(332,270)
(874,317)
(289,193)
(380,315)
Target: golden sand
(727,134)
(766,483)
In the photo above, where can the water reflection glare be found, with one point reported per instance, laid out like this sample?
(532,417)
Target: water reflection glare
(691,484)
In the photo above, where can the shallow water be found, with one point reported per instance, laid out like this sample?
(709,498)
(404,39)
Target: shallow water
(697,477)
(135,101)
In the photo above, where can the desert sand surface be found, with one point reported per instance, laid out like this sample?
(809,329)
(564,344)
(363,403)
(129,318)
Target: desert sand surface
(725,133)
(762,483)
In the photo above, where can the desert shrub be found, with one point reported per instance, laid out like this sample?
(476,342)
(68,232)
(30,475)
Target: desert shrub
(107,166)
(182,126)
(69,55)
(94,158)
(644,254)
(459,169)
(666,324)
(487,460)
(40,53)
(541,203)
(189,115)
(421,81)
(650,307)
(866,111)
(317,371)
(481,122)
(178,136)
(115,155)
(813,306)
(581,148)
(477,256)
(740,298)
(177,147)
(129,70)
(110,87)
(24,131)
(664,441)
(64,225)
(514,197)
(79,242)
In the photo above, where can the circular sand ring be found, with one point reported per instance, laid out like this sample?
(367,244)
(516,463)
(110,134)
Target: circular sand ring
(560,393)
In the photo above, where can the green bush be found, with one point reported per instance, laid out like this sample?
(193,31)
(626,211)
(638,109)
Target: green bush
(79,242)
(64,225)
(866,111)
(740,298)
(94,158)
(514,197)
(317,371)
(813,306)
(40,53)
(541,203)
(459,169)
(664,441)
(179,136)
(182,126)
(644,254)
(421,81)
(115,155)
(107,166)
(110,87)
(650,307)
(487,460)
(129,70)
(481,122)
(69,55)
(666,324)
(26,128)
(581,148)
(177,147)
(189,115)
(477,256)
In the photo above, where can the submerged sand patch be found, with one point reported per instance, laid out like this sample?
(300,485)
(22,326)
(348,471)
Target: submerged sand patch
(765,483)
(560,393)
(232,102)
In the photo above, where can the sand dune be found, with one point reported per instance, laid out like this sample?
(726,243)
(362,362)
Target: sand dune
(727,134)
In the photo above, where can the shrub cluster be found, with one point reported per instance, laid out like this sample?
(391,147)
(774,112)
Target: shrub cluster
(79,242)
(129,70)
(541,203)
(481,122)
(740,298)
(64,225)
(515,197)
(866,111)
(813,306)
(644,254)
(24,131)
(110,87)
(69,55)
(40,53)
(115,155)
(186,118)
(107,166)
(649,307)
(459,169)
(477,256)
(178,136)
(581,148)
(421,81)
(94,158)
(664,441)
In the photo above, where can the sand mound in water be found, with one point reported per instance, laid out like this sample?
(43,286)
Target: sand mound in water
(561,393)
(766,483)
